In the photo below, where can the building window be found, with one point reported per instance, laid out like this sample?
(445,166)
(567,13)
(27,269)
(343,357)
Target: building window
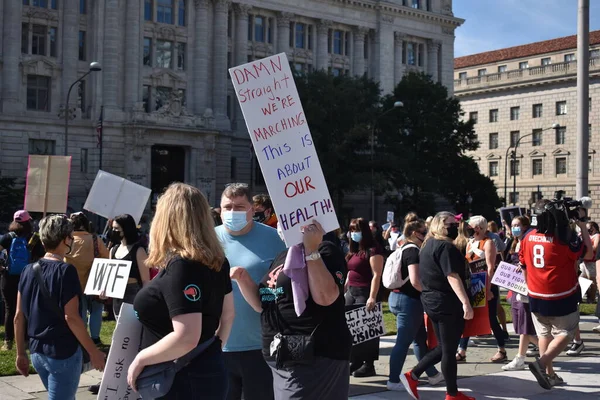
(514,113)
(481,72)
(514,197)
(146,97)
(38,93)
(594,53)
(561,165)
(536,137)
(515,167)
(233,168)
(82,46)
(182,97)
(299,67)
(54,4)
(561,134)
(164,54)
(81,97)
(42,147)
(181,20)
(570,57)
(493,140)
(259,29)
(164,11)
(590,164)
(310,38)
(162,95)
(537,167)
(494,115)
(524,65)
(337,41)
(561,108)
(39,3)
(181,56)
(501,69)
(38,40)
(82,7)
(148,10)
(473,116)
(414,4)
(461,75)
(546,61)
(300,30)
(514,138)
(537,110)
(83,165)
(410,54)
(590,133)
(148,51)
(493,167)
(25,38)
(259,179)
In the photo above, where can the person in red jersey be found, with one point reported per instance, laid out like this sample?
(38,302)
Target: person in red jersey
(548,256)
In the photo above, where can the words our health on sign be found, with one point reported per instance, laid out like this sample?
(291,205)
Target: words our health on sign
(283,144)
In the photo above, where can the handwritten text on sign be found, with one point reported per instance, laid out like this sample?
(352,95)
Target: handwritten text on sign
(283,145)
(365,325)
(508,277)
(108,276)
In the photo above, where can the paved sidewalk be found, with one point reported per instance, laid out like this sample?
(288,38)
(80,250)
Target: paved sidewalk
(478,377)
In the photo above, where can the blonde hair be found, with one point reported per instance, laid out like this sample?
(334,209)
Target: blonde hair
(479,221)
(462,239)
(437,229)
(183,226)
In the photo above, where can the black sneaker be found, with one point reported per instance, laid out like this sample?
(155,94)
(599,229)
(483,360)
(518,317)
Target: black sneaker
(94,389)
(540,374)
(365,371)
(355,367)
(575,349)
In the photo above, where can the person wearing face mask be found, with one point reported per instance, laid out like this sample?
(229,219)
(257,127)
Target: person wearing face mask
(589,271)
(405,304)
(365,267)
(253,247)
(263,210)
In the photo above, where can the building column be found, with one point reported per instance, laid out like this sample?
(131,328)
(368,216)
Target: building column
(110,68)
(11,48)
(283,32)
(200,68)
(322,44)
(132,54)
(220,41)
(241,33)
(359,50)
(384,54)
(70,48)
(433,48)
(398,48)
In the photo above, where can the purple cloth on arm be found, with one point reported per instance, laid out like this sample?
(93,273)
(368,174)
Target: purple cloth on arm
(295,269)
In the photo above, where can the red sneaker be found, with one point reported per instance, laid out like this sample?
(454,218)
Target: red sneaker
(459,396)
(410,384)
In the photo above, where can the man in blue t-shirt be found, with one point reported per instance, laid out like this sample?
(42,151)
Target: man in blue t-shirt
(252,246)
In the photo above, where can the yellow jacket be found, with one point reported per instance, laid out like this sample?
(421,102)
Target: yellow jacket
(82,254)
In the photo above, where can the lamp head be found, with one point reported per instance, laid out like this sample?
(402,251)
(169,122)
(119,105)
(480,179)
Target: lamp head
(398,104)
(95,66)
(555,126)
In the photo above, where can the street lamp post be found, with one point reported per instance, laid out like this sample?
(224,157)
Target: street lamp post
(514,159)
(94,67)
(469,202)
(397,104)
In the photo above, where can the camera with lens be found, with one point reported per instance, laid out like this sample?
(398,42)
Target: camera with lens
(555,216)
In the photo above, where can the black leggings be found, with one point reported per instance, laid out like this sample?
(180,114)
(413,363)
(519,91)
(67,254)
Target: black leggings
(9,287)
(448,330)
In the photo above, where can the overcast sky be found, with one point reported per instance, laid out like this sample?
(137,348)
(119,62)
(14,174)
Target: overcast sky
(496,24)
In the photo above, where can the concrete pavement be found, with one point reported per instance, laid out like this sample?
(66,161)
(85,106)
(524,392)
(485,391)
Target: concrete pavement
(478,377)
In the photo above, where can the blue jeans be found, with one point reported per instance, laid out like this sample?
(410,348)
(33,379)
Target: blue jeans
(411,329)
(94,308)
(60,377)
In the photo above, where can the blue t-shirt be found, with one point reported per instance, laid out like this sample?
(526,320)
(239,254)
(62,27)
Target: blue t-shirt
(48,333)
(255,251)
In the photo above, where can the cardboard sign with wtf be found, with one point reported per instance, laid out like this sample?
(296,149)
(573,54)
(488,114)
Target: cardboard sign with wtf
(108,277)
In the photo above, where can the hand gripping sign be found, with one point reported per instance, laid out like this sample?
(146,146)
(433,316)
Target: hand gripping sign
(283,145)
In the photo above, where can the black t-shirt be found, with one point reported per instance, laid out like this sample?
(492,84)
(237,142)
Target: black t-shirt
(184,287)
(438,259)
(332,337)
(410,256)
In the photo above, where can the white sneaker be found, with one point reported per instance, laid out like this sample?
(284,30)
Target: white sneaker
(575,349)
(517,364)
(395,386)
(596,329)
(436,379)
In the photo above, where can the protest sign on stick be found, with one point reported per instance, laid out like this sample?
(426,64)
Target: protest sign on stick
(283,144)
(123,349)
(47,187)
(365,325)
(510,277)
(108,277)
(112,195)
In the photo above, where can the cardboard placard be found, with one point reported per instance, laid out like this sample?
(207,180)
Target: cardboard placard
(510,277)
(123,349)
(108,276)
(585,284)
(112,195)
(478,289)
(283,144)
(47,186)
(365,325)
(390,216)
(509,213)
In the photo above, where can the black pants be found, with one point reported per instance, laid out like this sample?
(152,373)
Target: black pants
(448,330)
(366,352)
(9,286)
(249,375)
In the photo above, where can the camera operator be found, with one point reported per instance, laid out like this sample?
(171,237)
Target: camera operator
(548,256)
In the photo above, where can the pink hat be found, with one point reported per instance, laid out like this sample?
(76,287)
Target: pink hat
(22,216)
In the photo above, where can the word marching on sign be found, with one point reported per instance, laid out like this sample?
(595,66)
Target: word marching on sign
(108,276)
(509,277)
(365,325)
(283,145)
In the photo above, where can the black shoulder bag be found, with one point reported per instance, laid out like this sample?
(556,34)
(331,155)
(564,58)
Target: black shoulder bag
(37,270)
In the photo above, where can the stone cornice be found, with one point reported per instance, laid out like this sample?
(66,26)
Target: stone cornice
(284,18)
(324,25)
(242,9)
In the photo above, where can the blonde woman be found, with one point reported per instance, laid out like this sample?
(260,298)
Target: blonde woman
(189,302)
(445,300)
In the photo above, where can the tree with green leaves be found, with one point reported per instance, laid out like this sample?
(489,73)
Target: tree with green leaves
(11,199)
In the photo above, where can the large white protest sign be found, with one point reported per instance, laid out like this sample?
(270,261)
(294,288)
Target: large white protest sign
(365,325)
(47,186)
(509,277)
(108,277)
(112,195)
(123,349)
(283,145)
(585,284)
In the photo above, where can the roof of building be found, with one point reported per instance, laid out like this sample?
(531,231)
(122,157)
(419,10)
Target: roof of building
(526,50)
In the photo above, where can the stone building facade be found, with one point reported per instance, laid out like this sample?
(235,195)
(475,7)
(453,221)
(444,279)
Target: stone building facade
(168,108)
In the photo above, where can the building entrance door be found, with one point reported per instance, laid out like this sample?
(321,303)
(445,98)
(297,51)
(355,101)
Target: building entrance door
(168,166)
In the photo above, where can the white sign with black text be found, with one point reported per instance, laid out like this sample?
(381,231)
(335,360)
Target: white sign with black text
(365,325)
(108,277)
(510,277)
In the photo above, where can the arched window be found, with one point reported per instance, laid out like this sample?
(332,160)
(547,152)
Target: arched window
(181,20)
